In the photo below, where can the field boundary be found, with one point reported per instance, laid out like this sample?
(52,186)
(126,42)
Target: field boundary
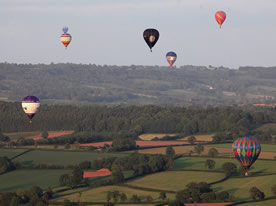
(29,150)
(146,189)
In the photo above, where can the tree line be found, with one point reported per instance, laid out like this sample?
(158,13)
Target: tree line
(99,123)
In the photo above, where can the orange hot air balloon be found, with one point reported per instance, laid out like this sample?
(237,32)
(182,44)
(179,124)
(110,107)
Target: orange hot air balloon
(220,17)
(65,37)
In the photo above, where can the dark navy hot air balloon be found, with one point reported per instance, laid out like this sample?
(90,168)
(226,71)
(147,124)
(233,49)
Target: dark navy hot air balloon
(151,36)
(246,151)
(171,58)
(30,105)
(65,37)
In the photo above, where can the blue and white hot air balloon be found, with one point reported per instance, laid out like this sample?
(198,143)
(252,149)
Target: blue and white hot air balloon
(171,58)
(30,105)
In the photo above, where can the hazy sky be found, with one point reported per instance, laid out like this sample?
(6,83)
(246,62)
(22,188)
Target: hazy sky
(110,32)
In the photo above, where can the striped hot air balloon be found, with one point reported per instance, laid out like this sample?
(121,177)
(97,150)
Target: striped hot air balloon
(171,58)
(30,105)
(220,17)
(246,151)
(65,37)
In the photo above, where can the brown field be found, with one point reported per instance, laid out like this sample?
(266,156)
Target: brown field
(226,152)
(153,135)
(51,135)
(141,143)
(99,173)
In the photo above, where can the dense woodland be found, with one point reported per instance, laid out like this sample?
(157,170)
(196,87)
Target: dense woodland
(98,123)
(139,85)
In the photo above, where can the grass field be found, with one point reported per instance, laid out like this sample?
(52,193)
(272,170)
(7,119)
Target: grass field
(37,134)
(10,152)
(26,178)
(175,180)
(16,135)
(260,166)
(265,147)
(99,194)
(240,186)
(224,150)
(62,157)
(153,135)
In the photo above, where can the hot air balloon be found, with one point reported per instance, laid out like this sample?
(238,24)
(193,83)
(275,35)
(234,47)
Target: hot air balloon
(220,17)
(171,58)
(65,37)
(246,151)
(30,105)
(151,36)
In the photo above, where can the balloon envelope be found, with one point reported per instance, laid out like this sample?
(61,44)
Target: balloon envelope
(220,17)
(30,105)
(65,37)
(171,57)
(246,151)
(151,36)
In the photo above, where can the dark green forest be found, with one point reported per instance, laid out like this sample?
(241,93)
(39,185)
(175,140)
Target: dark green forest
(107,123)
(137,85)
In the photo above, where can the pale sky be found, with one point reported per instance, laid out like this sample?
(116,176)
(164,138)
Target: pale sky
(111,32)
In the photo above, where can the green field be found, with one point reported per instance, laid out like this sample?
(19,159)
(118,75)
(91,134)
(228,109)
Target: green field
(175,180)
(260,166)
(10,152)
(265,147)
(240,187)
(62,157)
(99,194)
(26,178)
(21,134)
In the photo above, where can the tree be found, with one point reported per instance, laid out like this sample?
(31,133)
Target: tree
(256,194)
(191,139)
(210,164)
(45,134)
(3,138)
(123,197)
(117,174)
(64,180)
(208,197)
(115,195)
(149,198)
(108,196)
(67,146)
(135,198)
(199,148)
(170,151)
(229,168)
(6,165)
(273,189)
(175,203)
(213,152)
(222,196)
(162,196)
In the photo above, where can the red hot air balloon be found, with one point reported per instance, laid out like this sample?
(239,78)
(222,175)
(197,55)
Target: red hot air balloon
(220,17)
(65,37)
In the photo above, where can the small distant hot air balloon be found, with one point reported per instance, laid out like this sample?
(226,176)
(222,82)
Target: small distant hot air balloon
(151,36)
(65,37)
(30,105)
(246,151)
(220,17)
(171,58)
